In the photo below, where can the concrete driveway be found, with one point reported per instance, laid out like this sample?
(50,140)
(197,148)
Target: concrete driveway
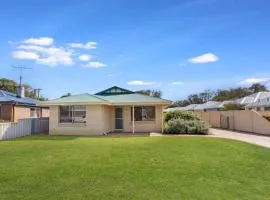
(245,137)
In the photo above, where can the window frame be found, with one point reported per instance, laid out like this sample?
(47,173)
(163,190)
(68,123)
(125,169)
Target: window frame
(143,118)
(72,111)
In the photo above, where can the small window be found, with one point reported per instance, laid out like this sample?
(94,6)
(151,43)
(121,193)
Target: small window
(258,108)
(35,112)
(72,114)
(143,113)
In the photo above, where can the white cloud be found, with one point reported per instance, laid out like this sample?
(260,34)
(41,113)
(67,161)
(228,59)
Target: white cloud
(42,51)
(141,82)
(177,83)
(85,57)
(42,41)
(50,56)
(25,55)
(250,81)
(205,58)
(87,45)
(95,64)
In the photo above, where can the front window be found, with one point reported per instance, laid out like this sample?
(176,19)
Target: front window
(72,114)
(35,112)
(143,113)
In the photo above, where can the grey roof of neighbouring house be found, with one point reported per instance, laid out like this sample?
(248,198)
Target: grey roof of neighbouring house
(172,109)
(111,96)
(209,105)
(252,98)
(190,107)
(12,98)
(260,102)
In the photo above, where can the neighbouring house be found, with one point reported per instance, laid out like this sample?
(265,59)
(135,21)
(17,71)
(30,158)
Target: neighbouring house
(260,105)
(112,110)
(256,97)
(16,106)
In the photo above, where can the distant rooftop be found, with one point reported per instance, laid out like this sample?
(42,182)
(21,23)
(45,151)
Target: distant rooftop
(12,98)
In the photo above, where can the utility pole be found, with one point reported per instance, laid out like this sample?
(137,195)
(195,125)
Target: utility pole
(21,71)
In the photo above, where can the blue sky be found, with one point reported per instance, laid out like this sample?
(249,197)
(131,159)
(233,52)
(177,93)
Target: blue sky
(179,47)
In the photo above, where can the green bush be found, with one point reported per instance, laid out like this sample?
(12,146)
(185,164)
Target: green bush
(181,126)
(233,106)
(180,114)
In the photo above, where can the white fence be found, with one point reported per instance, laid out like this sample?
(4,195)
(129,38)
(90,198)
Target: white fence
(23,127)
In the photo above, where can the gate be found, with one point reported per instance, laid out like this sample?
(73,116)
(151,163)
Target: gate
(227,122)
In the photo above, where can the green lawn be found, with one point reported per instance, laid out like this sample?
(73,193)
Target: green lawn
(44,167)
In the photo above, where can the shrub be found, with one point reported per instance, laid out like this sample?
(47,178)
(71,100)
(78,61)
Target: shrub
(180,114)
(233,106)
(181,126)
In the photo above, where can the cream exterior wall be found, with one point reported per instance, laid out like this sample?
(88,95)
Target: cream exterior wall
(45,112)
(100,119)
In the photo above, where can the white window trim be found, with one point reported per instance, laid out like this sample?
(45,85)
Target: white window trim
(72,111)
(141,121)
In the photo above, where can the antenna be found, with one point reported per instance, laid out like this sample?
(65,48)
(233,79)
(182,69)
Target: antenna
(21,71)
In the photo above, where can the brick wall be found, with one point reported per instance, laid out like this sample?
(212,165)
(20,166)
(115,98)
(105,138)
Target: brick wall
(21,112)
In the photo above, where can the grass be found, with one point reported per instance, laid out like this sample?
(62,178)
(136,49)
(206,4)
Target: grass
(43,167)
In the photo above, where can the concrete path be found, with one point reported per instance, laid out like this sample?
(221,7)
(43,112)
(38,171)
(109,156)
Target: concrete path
(245,137)
(263,141)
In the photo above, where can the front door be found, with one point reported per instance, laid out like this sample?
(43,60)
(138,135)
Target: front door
(119,118)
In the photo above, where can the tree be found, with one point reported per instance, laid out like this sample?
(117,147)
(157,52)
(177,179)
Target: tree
(195,99)
(8,85)
(11,86)
(206,95)
(257,87)
(232,93)
(152,93)
(180,103)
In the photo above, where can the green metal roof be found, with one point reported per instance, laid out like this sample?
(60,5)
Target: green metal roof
(77,99)
(111,96)
(133,98)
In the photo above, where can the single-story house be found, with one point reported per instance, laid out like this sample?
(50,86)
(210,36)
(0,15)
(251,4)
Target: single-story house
(112,110)
(260,105)
(16,106)
(256,97)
